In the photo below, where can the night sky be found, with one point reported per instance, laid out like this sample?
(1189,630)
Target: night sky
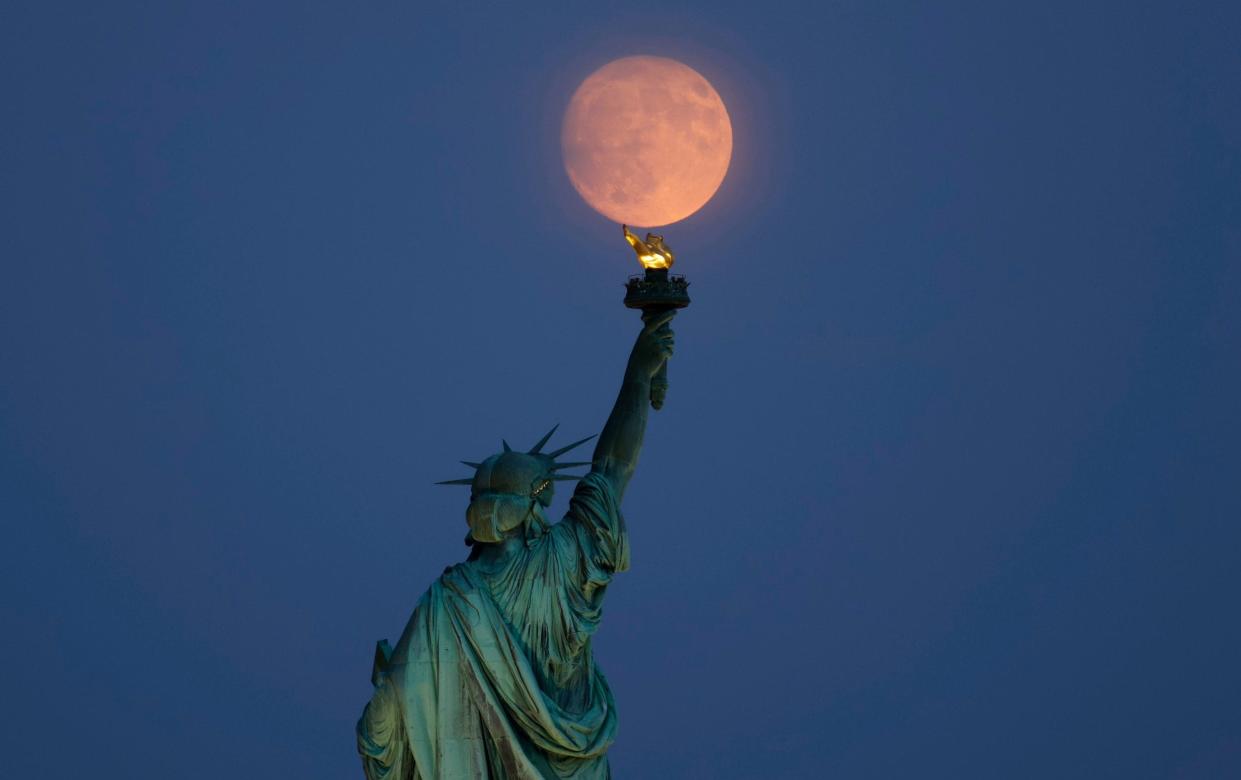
(947,485)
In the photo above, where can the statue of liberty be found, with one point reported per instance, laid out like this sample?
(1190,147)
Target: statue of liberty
(493,676)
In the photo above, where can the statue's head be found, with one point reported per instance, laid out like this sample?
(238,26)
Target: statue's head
(510,489)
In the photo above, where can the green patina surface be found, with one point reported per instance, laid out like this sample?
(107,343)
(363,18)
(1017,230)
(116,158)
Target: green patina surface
(493,676)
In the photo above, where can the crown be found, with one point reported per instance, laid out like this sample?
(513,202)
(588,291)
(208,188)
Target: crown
(521,473)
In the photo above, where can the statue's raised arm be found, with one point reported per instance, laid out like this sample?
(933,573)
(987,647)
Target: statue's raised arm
(616,454)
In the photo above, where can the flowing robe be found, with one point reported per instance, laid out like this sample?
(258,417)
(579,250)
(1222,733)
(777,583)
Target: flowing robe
(493,676)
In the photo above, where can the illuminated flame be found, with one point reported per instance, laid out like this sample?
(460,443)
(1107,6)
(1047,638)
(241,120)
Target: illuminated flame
(653,260)
(652,253)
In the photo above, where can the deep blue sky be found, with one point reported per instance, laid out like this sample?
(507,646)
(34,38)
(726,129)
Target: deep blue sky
(948,480)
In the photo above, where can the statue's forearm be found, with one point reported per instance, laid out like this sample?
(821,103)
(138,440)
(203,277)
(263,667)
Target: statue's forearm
(616,454)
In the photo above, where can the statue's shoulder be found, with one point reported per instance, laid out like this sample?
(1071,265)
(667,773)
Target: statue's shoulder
(461,576)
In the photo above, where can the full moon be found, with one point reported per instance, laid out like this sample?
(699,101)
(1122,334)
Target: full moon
(646,140)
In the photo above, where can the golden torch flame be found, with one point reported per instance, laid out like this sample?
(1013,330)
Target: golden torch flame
(651,253)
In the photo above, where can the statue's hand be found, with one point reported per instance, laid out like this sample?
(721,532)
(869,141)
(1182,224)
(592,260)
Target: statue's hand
(654,345)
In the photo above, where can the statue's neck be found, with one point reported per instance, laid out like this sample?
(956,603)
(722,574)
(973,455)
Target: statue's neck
(496,553)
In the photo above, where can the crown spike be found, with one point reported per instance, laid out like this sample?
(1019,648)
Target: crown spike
(535,449)
(471,464)
(568,447)
(469,481)
(506,447)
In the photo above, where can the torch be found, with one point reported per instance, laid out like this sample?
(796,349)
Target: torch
(655,292)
